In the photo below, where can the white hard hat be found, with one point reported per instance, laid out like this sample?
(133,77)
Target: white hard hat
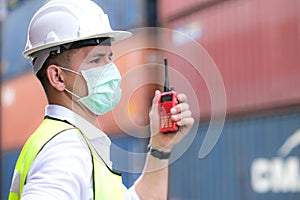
(60,22)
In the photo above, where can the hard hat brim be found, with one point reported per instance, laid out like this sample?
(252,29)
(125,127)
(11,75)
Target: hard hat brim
(115,35)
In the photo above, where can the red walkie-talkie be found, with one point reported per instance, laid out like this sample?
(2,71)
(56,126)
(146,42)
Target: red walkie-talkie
(167,101)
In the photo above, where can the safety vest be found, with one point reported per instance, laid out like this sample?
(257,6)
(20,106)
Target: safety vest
(106,183)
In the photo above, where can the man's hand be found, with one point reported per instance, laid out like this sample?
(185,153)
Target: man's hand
(180,113)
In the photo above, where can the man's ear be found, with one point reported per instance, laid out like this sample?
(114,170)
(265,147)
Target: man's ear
(56,77)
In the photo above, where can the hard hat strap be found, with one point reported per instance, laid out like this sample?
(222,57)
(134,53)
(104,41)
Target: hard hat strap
(105,41)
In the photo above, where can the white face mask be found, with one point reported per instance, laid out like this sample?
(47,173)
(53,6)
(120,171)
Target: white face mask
(104,90)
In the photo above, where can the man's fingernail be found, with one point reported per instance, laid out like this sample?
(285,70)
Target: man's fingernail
(173,110)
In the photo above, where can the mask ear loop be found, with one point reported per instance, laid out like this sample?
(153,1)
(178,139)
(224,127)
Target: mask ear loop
(70,92)
(70,70)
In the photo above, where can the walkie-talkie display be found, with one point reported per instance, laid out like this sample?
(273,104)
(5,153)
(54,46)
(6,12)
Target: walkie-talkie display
(167,101)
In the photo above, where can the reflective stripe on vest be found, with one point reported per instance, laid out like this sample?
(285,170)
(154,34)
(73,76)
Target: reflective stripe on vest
(106,185)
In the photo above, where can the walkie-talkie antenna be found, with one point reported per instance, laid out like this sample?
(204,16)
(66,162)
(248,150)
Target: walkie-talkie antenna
(166,85)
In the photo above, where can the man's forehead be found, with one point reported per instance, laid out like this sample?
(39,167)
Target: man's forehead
(96,50)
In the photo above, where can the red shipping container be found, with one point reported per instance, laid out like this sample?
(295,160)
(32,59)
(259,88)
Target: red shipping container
(170,9)
(256,46)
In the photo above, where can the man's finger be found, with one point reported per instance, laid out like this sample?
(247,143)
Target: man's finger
(180,108)
(156,97)
(182,98)
(186,123)
(180,116)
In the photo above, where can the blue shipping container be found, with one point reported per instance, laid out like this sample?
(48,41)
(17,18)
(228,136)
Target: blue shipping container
(255,158)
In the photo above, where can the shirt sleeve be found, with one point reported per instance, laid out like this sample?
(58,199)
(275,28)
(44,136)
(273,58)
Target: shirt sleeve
(62,170)
(130,194)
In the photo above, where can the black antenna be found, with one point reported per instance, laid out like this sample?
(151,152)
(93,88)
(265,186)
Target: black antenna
(166,85)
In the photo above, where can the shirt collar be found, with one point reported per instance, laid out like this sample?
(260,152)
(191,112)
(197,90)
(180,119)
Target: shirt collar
(98,138)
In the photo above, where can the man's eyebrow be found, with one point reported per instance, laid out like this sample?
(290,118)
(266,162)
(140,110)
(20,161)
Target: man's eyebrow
(98,54)
(95,55)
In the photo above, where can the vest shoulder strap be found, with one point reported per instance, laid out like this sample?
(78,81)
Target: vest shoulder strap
(48,129)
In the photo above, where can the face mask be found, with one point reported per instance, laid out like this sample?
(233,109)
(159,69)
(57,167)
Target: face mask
(104,90)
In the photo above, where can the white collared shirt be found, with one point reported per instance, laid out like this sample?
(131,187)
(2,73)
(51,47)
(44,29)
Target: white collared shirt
(63,168)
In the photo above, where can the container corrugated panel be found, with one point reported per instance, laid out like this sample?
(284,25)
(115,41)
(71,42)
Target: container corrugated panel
(168,9)
(256,47)
(22,108)
(124,14)
(256,158)
(127,163)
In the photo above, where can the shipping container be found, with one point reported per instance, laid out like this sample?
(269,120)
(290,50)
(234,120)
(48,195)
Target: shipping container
(22,108)
(169,10)
(124,14)
(255,158)
(255,45)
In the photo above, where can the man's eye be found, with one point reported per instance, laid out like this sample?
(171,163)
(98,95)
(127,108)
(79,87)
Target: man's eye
(96,60)
(110,56)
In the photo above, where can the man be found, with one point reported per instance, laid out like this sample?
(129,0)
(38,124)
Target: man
(67,157)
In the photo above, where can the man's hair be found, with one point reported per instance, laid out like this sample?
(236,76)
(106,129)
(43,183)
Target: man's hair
(62,59)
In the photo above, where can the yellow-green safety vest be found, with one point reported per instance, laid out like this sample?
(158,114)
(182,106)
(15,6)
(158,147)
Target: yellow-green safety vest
(106,183)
